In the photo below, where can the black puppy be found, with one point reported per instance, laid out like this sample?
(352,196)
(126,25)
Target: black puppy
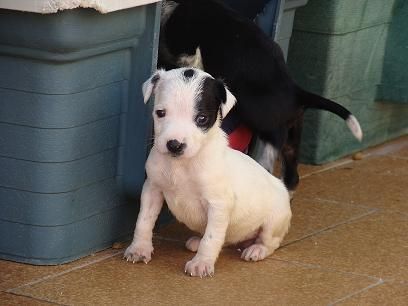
(208,35)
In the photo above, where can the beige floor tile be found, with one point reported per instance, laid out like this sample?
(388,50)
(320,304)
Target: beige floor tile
(312,216)
(392,294)
(379,182)
(15,274)
(7,299)
(116,282)
(376,245)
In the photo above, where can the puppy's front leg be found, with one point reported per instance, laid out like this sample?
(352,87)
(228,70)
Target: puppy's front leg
(210,245)
(141,248)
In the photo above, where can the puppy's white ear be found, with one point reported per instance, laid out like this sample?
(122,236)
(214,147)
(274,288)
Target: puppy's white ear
(228,100)
(150,85)
(229,103)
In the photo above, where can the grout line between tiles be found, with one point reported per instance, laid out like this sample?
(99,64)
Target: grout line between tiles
(398,157)
(330,167)
(352,204)
(377,209)
(331,201)
(378,283)
(51,276)
(389,149)
(315,266)
(355,218)
(35,298)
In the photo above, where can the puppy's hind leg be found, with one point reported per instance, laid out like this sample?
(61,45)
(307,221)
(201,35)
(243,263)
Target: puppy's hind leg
(193,243)
(271,235)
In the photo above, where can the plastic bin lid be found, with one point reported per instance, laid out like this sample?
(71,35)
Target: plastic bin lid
(53,6)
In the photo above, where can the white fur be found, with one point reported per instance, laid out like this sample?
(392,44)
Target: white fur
(216,191)
(268,157)
(354,127)
(148,87)
(229,104)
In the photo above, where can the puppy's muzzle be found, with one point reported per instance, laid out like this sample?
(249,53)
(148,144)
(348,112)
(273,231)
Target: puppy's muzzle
(175,147)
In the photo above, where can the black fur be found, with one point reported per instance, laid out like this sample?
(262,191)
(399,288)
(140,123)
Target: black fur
(253,67)
(188,73)
(155,78)
(208,104)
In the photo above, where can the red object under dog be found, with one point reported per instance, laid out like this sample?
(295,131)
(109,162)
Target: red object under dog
(240,138)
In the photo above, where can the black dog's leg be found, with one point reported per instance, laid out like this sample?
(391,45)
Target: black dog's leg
(290,155)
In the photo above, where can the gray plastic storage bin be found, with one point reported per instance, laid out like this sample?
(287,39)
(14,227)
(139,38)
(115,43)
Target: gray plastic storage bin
(285,23)
(74,131)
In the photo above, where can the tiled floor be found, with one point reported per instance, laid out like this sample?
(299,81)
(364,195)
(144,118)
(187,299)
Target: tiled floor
(348,245)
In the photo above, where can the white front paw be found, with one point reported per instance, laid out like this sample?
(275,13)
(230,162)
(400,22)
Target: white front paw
(199,267)
(138,252)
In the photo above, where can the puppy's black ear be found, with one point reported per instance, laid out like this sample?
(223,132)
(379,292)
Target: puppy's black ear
(225,96)
(150,85)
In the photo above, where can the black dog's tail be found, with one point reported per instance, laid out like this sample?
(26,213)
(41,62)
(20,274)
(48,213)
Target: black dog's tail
(310,100)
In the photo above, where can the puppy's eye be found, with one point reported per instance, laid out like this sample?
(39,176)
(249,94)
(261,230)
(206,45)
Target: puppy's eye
(202,120)
(161,113)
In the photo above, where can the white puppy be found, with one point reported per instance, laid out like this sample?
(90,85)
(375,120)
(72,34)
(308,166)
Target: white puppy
(216,191)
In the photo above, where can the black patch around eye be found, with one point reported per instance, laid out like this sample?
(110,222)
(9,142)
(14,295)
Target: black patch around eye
(207,104)
(155,78)
(188,73)
(221,92)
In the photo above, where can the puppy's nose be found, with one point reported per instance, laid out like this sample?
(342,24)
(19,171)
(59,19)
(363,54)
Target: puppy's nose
(175,147)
